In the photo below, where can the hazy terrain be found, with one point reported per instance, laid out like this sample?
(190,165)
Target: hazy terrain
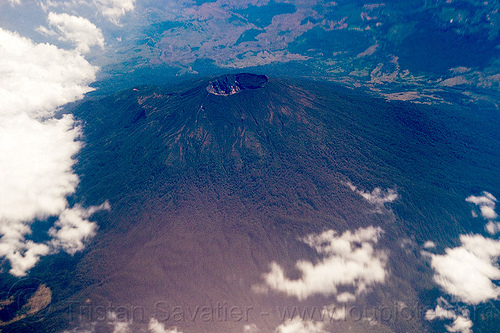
(249,166)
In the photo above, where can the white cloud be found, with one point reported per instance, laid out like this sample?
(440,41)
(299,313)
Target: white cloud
(36,79)
(468,271)
(443,311)
(334,313)
(156,327)
(297,325)
(461,324)
(118,325)
(377,197)
(36,149)
(345,297)
(251,328)
(349,260)
(22,255)
(429,245)
(67,6)
(73,228)
(121,327)
(114,9)
(14,2)
(486,204)
(36,165)
(115,325)
(77,30)
(440,312)
(492,227)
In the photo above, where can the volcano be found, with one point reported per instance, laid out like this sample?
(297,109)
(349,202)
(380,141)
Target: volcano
(246,203)
(233,84)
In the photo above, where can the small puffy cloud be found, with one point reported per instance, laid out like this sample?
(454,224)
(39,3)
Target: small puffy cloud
(443,311)
(73,228)
(121,327)
(113,322)
(439,313)
(345,297)
(14,2)
(22,255)
(334,313)
(156,327)
(251,328)
(114,9)
(486,203)
(461,324)
(68,234)
(118,325)
(77,30)
(298,325)
(429,245)
(492,227)
(377,197)
(349,261)
(468,272)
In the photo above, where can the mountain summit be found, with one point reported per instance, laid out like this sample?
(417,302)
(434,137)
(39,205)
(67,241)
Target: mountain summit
(234,83)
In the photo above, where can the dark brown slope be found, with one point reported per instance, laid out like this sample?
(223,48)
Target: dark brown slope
(208,189)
